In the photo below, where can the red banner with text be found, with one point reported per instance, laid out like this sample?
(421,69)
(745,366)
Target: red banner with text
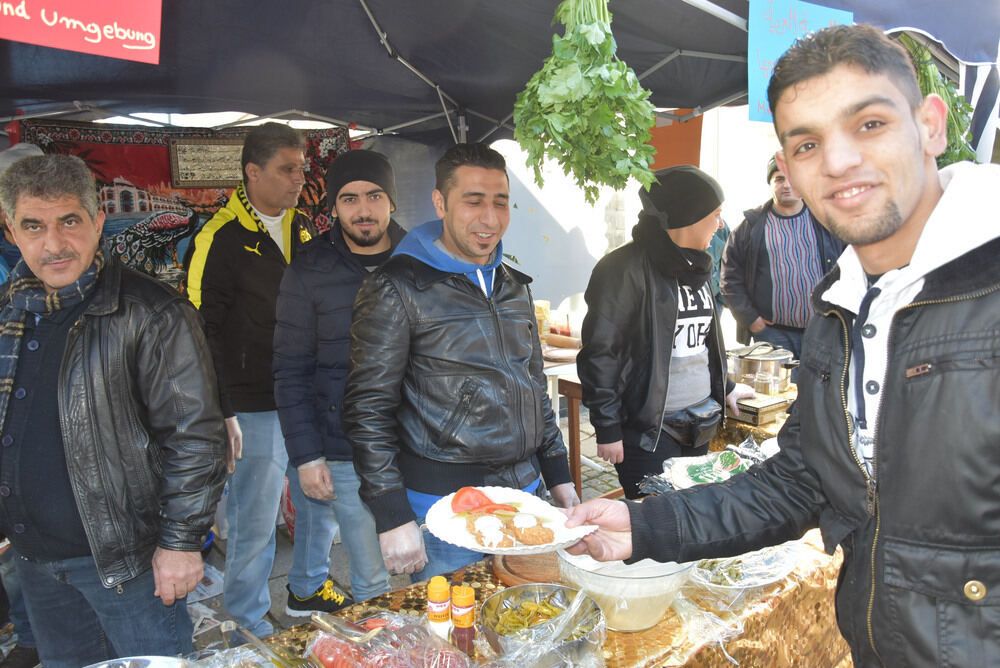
(126,29)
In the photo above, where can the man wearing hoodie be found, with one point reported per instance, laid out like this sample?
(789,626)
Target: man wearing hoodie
(312,338)
(653,365)
(446,386)
(891,447)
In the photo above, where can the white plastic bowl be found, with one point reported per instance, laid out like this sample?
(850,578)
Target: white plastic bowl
(633,597)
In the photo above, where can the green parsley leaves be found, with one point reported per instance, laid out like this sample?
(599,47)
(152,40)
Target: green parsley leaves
(585,108)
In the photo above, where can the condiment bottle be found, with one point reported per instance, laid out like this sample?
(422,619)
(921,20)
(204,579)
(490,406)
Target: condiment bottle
(463,616)
(439,606)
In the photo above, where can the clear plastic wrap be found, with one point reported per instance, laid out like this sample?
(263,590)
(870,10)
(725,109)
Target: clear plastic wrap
(683,472)
(384,641)
(571,639)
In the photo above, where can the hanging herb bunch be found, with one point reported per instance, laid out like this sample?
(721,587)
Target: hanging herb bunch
(585,108)
(959,111)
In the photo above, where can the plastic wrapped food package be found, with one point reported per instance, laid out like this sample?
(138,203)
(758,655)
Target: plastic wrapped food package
(385,641)
(572,638)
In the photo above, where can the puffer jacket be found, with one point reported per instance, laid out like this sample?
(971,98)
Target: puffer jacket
(745,258)
(141,424)
(628,333)
(920,584)
(446,388)
(312,340)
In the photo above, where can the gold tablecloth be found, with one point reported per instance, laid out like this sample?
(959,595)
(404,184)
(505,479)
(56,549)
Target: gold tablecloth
(789,623)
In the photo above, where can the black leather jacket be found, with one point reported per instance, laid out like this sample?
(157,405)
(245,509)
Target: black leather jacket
(920,584)
(140,417)
(628,333)
(446,388)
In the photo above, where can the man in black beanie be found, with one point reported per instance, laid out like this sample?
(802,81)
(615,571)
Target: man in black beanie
(653,366)
(311,345)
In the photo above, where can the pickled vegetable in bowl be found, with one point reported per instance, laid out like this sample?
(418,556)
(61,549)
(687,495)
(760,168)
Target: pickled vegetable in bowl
(531,614)
(633,597)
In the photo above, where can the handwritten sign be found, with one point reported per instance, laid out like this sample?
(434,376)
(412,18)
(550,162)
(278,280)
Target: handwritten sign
(773,26)
(127,29)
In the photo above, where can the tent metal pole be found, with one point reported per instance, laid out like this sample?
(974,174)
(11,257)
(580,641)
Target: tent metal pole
(672,56)
(294,112)
(692,54)
(383,37)
(719,12)
(39,114)
(699,110)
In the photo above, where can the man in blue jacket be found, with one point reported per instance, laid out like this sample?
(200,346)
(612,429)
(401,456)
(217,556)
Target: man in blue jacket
(446,386)
(311,345)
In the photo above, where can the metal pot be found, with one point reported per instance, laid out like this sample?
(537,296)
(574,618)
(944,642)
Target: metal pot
(762,366)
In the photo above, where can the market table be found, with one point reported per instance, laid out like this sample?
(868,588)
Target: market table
(788,623)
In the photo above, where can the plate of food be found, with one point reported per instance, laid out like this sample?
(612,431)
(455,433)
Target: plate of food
(501,520)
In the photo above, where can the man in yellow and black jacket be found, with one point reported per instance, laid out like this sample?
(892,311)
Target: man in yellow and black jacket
(235,266)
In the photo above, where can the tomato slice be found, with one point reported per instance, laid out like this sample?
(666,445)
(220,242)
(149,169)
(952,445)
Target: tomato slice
(469,498)
(494,507)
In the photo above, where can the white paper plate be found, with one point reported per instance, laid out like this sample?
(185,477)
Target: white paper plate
(443,523)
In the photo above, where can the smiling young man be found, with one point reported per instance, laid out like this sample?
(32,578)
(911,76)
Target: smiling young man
(235,264)
(311,345)
(113,442)
(446,386)
(891,446)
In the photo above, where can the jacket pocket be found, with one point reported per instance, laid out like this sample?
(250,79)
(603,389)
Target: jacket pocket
(330,399)
(942,604)
(467,395)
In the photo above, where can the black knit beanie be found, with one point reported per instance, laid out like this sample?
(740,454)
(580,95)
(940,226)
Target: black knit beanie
(772,167)
(681,196)
(359,166)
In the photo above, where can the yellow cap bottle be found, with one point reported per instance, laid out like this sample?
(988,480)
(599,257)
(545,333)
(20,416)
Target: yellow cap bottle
(439,606)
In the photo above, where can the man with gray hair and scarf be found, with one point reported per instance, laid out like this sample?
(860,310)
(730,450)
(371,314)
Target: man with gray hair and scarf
(653,366)
(113,442)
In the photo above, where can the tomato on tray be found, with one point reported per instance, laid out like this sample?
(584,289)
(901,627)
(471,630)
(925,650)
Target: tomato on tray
(494,507)
(468,498)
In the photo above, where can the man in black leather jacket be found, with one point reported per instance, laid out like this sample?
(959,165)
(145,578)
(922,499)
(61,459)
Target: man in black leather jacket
(891,446)
(113,440)
(651,341)
(446,386)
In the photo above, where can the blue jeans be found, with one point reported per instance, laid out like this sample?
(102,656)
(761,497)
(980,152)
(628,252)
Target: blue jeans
(789,339)
(252,510)
(18,612)
(442,557)
(315,525)
(77,621)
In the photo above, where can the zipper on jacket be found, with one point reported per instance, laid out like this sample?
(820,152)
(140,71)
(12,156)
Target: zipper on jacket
(871,490)
(510,373)
(75,333)
(666,391)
